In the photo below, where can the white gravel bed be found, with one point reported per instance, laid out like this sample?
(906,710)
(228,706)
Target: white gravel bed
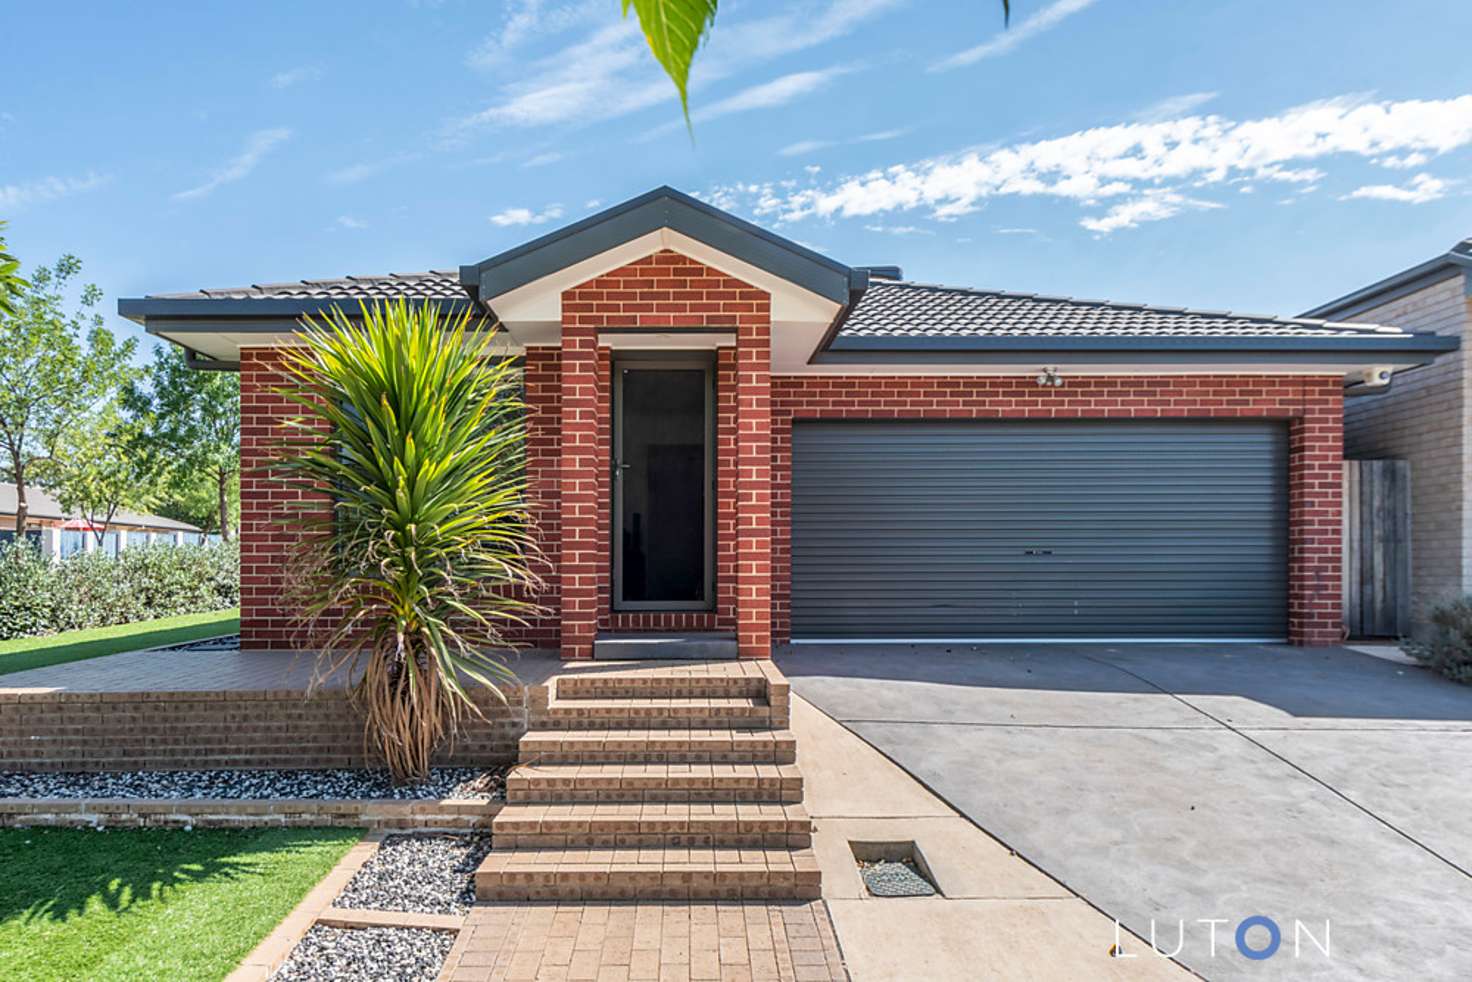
(446,782)
(370,954)
(422,874)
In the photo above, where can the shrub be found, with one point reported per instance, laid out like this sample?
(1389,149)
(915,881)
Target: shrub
(1448,648)
(27,592)
(94,590)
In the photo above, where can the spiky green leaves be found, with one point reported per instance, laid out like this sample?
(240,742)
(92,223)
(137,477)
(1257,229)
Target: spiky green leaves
(416,430)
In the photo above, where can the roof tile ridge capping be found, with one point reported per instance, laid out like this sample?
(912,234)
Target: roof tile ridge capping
(1355,326)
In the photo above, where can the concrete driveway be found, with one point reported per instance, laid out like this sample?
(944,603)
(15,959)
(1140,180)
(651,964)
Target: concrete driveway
(1191,782)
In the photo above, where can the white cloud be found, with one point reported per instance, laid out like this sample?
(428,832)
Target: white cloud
(767,95)
(899,229)
(813,170)
(260,143)
(295,76)
(364,169)
(525,216)
(802,147)
(1044,20)
(881,136)
(1173,107)
(1409,161)
(543,159)
(592,203)
(349,222)
(813,146)
(16,196)
(608,73)
(1417,191)
(1016,231)
(1142,165)
(527,20)
(1152,206)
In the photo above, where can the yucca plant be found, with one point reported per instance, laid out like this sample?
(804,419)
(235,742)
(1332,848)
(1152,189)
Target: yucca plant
(414,429)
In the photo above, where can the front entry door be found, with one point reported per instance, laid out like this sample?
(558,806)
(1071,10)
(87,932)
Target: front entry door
(662,486)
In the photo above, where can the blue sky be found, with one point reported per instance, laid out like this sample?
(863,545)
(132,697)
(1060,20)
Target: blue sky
(1246,154)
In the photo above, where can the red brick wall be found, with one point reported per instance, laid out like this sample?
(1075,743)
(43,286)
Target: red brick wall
(665,290)
(541,375)
(265,541)
(1314,405)
(754,414)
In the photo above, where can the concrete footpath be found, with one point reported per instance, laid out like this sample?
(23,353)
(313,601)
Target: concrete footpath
(998,916)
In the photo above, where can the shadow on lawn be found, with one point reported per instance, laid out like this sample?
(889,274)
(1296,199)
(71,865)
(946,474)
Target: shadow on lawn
(54,874)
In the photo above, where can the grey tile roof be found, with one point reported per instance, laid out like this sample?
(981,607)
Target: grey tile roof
(894,309)
(43,505)
(433,285)
(901,309)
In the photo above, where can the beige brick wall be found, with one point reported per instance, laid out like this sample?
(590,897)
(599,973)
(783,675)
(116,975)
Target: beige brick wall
(1423,419)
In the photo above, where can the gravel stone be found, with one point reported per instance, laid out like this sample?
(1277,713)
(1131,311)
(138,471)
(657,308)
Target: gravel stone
(369,954)
(421,874)
(444,782)
(890,879)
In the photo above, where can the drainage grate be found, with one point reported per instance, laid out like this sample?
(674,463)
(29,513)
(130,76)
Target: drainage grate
(894,869)
(890,879)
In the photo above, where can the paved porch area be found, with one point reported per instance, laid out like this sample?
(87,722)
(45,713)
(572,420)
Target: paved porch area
(202,671)
(1181,782)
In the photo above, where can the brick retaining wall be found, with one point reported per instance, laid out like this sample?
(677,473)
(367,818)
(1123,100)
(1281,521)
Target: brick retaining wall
(102,731)
(370,813)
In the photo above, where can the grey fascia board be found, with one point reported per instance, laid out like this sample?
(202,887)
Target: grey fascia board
(1393,287)
(661,208)
(143,309)
(1418,343)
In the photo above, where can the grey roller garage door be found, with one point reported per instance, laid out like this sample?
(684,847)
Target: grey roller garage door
(1118,529)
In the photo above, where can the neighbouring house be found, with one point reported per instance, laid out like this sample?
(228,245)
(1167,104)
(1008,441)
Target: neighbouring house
(738,440)
(60,533)
(1423,418)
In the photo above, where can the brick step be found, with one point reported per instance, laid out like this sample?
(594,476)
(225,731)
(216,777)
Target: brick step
(653,713)
(584,783)
(607,826)
(594,685)
(656,874)
(636,746)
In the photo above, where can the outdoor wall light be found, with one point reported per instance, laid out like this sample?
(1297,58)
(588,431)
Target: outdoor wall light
(1050,377)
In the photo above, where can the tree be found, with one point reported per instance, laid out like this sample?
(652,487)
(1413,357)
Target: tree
(675,30)
(11,285)
(426,553)
(193,429)
(102,470)
(57,370)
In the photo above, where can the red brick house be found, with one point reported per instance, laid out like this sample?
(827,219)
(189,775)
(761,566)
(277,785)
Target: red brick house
(738,442)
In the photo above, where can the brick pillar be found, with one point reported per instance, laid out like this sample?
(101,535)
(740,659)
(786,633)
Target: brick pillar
(725,537)
(578,567)
(1315,503)
(754,483)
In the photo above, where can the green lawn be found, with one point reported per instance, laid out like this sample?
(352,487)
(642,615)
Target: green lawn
(150,903)
(19,654)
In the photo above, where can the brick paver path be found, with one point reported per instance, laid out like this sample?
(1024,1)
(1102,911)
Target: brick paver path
(645,942)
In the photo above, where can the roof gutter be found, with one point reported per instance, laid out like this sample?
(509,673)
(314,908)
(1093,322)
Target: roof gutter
(1418,344)
(142,309)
